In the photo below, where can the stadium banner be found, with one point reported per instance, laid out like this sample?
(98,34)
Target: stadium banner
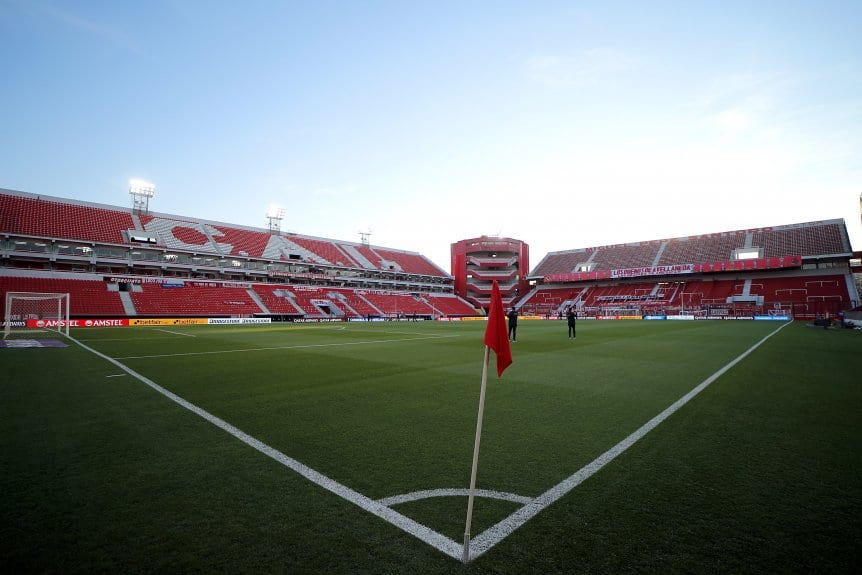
(77,323)
(653,271)
(655,317)
(237,320)
(133,280)
(14,323)
(443,318)
(169,321)
(681,317)
(307,275)
(772,318)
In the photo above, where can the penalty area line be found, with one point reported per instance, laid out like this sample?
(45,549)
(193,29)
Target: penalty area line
(421,532)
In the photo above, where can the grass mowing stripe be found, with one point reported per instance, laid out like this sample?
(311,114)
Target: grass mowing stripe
(426,534)
(486,540)
(311,345)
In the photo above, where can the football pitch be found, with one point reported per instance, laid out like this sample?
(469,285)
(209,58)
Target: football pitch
(664,447)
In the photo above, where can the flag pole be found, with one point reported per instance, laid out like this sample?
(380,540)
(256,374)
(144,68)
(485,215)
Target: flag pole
(465,557)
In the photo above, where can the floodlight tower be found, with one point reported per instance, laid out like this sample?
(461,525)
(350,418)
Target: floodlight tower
(141,193)
(363,237)
(274,215)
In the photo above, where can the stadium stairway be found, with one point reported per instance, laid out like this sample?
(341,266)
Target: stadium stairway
(128,305)
(256,299)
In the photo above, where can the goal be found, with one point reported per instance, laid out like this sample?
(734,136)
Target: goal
(43,310)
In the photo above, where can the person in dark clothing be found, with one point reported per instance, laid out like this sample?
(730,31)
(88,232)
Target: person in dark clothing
(513,324)
(572,317)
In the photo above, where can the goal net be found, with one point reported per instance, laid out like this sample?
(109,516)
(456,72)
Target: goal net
(41,310)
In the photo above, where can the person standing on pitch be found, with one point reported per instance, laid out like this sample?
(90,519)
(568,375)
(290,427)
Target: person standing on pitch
(513,324)
(572,317)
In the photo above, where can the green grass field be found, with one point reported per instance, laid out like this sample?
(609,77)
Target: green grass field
(759,473)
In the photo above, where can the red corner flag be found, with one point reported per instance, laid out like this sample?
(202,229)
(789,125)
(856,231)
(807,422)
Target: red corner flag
(496,334)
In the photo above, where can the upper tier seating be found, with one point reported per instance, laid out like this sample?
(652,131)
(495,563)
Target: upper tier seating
(410,263)
(702,249)
(625,256)
(807,239)
(44,218)
(327,251)
(248,243)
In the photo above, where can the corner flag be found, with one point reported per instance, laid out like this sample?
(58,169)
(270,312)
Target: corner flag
(496,338)
(496,334)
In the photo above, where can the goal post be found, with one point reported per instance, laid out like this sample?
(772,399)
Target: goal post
(48,311)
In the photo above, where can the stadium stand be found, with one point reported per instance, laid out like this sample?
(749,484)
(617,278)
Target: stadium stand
(88,297)
(704,274)
(193,300)
(808,239)
(117,262)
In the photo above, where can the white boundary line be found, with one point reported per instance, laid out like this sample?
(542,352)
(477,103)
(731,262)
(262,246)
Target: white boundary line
(429,536)
(175,332)
(457,492)
(488,538)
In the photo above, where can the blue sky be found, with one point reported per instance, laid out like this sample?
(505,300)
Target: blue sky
(563,124)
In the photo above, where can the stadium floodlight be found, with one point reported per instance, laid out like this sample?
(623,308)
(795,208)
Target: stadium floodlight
(141,192)
(142,188)
(274,215)
(275,211)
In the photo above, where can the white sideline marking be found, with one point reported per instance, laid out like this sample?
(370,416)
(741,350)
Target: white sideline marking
(490,537)
(429,536)
(460,492)
(336,344)
(117,375)
(176,332)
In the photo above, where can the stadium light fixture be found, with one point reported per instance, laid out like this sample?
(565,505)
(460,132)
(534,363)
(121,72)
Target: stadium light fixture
(275,211)
(142,188)
(274,215)
(141,192)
